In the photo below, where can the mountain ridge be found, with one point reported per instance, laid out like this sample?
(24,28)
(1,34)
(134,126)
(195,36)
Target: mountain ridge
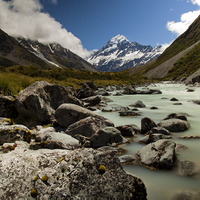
(28,52)
(119,54)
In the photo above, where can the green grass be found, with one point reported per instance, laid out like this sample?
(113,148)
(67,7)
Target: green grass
(15,78)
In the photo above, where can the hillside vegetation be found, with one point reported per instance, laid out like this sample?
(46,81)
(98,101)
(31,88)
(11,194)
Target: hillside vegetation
(15,78)
(185,66)
(188,38)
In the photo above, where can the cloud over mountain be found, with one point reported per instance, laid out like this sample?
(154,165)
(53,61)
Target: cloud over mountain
(185,20)
(26,18)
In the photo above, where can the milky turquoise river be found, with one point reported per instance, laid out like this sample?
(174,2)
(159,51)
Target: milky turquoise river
(163,184)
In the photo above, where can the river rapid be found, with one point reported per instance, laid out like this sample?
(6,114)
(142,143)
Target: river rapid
(163,184)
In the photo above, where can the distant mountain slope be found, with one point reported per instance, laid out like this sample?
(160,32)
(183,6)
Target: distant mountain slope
(178,49)
(26,52)
(120,54)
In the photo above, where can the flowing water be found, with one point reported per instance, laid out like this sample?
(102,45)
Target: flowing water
(163,184)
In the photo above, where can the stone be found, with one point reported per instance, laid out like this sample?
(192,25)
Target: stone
(114,108)
(175,125)
(147,124)
(56,140)
(190,90)
(187,195)
(152,138)
(87,90)
(129,90)
(118,94)
(128,130)
(153,108)
(149,91)
(42,133)
(40,100)
(138,104)
(69,175)
(173,99)
(158,155)
(86,127)
(187,168)
(5,121)
(67,114)
(159,130)
(7,107)
(196,102)
(182,116)
(127,159)
(12,133)
(92,101)
(106,136)
(129,113)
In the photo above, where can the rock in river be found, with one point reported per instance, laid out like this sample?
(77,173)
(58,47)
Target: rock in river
(159,155)
(175,125)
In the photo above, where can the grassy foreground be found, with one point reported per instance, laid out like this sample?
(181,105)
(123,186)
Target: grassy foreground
(15,78)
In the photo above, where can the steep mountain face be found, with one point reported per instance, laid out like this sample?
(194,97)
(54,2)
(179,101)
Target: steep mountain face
(180,59)
(27,52)
(119,54)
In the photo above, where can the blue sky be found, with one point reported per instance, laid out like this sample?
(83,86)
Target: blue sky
(84,25)
(94,22)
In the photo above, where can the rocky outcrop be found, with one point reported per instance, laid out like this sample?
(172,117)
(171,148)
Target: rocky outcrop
(175,125)
(62,174)
(40,100)
(67,114)
(159,155)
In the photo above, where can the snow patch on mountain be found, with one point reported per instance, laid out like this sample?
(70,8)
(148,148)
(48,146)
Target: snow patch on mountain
(119,54)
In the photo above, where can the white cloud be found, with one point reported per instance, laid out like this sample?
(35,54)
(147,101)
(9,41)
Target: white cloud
(195,2)
(185,20)
(25,18)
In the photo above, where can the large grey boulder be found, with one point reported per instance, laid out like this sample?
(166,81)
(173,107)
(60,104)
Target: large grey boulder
(62,174)
(7,106)
(175,125)
(40,100)
(67,114)
(86,127)
(106,136)
(159,155)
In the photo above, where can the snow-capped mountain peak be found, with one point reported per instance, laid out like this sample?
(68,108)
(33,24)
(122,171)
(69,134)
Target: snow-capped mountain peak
(119,54)
(118,39)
